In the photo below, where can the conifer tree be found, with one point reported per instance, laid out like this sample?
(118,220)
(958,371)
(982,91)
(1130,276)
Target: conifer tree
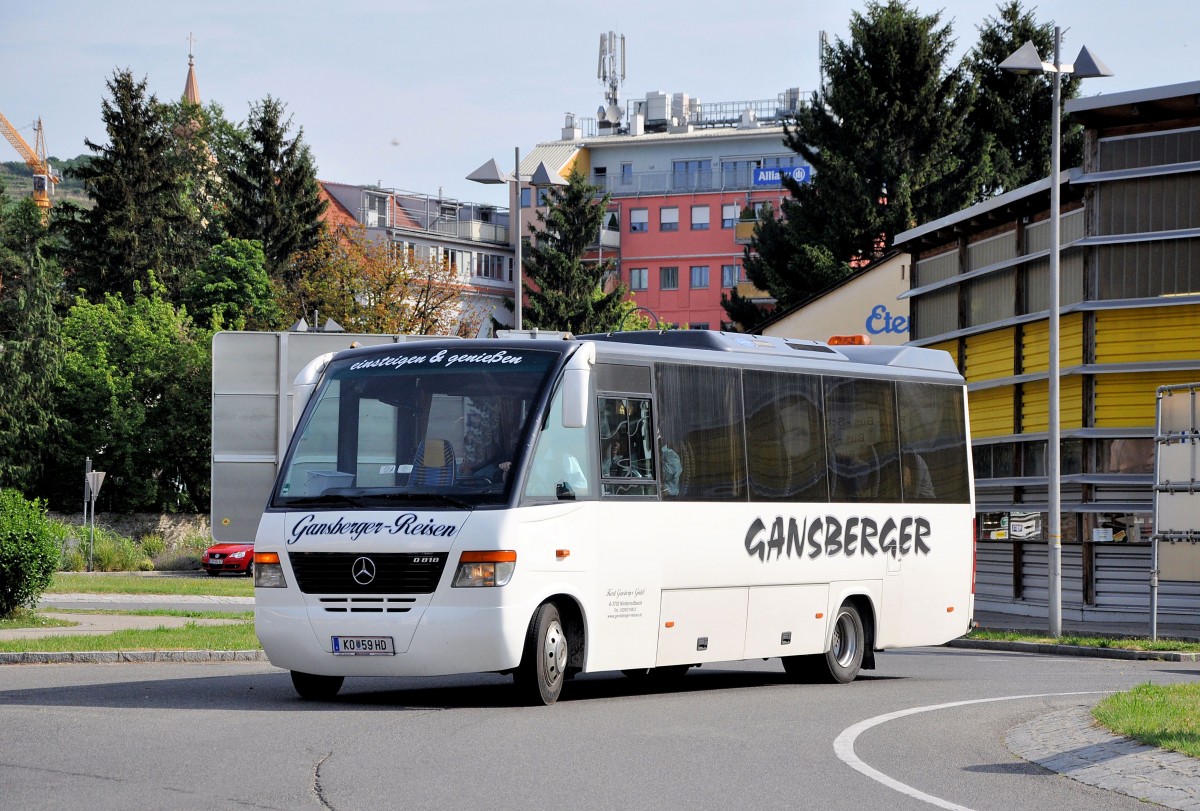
(29,341)
(1014,111)
(138,226)
(273,192)
(564,292)
(889,145)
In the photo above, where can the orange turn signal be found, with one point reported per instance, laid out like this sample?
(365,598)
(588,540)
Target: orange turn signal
(562,553)
(849,340)
(668,625)
(266,557)
(497,556)
(820,614)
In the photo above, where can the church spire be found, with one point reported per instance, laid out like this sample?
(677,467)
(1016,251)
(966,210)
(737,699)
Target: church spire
(191,91)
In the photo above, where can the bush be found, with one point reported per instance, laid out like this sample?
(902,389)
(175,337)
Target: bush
(153,546)
(29,544)
(114,552)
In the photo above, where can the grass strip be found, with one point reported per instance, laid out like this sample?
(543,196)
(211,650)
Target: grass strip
(77,583)
(1119,643)
(160,612)
(190,637)
(27,618)
(1163,715)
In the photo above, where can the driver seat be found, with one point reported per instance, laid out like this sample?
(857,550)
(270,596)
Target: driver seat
(434,464)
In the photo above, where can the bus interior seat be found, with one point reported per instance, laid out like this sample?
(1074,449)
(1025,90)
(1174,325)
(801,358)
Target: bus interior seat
(434,464)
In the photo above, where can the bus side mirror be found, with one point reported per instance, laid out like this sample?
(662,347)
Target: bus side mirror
(575,398)
(576,386)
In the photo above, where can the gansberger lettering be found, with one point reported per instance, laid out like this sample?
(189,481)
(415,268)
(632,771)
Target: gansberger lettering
(834,537)
(307,526)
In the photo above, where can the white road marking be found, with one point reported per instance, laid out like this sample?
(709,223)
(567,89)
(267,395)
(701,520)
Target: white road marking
(844,745)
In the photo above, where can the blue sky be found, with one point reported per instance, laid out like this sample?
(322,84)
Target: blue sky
(417,94)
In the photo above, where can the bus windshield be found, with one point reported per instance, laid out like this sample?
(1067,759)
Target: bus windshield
(415,425)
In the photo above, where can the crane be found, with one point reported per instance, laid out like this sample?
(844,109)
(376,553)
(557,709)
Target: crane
(43,175)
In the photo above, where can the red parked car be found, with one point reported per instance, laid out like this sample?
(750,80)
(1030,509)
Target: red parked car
(235,558)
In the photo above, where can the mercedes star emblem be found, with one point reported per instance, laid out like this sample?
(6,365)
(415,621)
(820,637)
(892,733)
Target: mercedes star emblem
(363,571)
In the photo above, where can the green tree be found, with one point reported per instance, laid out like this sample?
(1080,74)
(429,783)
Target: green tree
(563,291)
(133,393)
(139,225)
(273,192)
(204,141)
(1014,111)
(888,141)
(230,288)
(29,341)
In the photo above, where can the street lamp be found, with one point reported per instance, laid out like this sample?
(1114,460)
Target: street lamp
(1027,61)
(490,173)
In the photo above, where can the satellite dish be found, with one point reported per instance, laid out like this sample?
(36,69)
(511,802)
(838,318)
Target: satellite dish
(601,113)
(614,113)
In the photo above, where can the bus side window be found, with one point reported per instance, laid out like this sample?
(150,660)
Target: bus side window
(560,461)
(863,451)
(932,435)
(627,451)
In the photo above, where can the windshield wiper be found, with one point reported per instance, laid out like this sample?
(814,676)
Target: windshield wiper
(325,499)
(399,495)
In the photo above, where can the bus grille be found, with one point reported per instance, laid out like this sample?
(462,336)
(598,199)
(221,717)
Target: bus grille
(367,573)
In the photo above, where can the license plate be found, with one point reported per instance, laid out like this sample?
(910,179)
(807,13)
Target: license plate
(363,646)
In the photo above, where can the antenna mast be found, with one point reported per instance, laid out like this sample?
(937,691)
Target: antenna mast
(611,73)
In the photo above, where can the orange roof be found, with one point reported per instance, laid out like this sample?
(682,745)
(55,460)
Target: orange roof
(336,215)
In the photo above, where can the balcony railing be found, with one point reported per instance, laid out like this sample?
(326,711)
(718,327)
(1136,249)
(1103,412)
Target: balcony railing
(680,182)
(474,230)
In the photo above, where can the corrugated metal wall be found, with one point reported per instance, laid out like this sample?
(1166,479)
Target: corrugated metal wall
(989,355)
(1149,334)
(1122,583)
(1127,400)
(1035,404)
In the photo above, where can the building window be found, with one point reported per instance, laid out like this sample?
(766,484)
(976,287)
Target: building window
(690,175)
(698,325)
(668,218)
(739,174)
(729,215)
(626,174)
(639,278)
(699,218)
(526,197)
(730,275)
(668,278)
(639,220)
(699,276)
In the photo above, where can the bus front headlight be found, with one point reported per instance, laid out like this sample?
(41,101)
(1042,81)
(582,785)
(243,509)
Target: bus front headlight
(493,568)
(268,571)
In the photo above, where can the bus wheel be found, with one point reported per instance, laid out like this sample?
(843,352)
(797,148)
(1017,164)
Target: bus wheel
(539,678)
(316,688)
(841,663)
(846,648)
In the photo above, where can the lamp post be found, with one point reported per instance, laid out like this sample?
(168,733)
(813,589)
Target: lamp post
(491,174)
(1027,61)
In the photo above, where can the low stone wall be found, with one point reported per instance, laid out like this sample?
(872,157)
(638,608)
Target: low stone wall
(173,528)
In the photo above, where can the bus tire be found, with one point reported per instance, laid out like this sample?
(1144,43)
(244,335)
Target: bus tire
(844,658)
(312,687)
(543,669)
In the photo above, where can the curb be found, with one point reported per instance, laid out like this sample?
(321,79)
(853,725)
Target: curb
(131,657)
(1051,649)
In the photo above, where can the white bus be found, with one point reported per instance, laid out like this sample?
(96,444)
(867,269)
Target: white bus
(642,502)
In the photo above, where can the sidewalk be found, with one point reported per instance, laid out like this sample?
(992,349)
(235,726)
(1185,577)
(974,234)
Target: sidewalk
(97,624)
